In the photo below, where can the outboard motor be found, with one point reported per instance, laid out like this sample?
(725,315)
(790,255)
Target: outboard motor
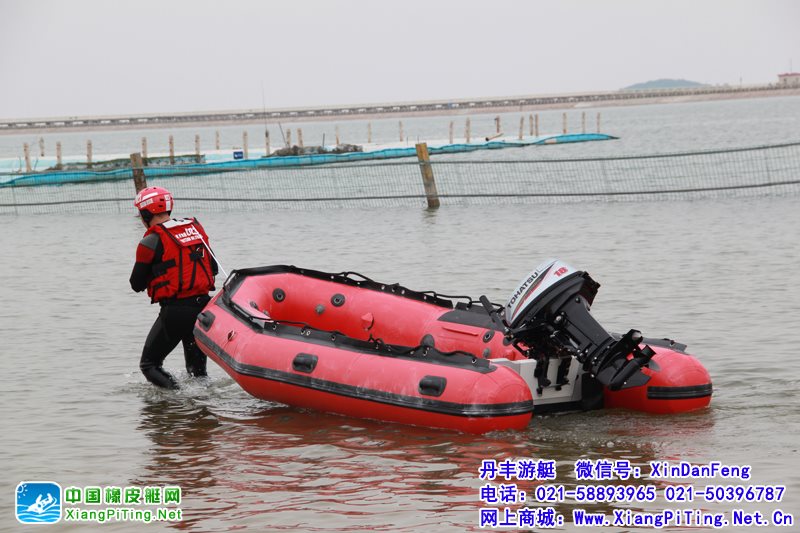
(548,317)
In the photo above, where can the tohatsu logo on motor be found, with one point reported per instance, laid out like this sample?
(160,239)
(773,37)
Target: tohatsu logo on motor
(545,275)
(523,289)
(529,284)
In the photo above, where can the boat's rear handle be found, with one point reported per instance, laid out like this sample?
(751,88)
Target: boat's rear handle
(493,313)
(350,275)
(304,362)
(432,385)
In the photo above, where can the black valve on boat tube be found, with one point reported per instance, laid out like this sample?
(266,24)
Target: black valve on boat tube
(548,316)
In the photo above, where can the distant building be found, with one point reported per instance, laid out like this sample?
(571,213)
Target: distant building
(789,79)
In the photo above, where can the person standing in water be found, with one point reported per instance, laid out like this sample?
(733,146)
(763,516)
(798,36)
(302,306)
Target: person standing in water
(175,265)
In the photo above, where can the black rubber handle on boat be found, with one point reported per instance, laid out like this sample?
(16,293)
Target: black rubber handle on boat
(349,275)
(492,312)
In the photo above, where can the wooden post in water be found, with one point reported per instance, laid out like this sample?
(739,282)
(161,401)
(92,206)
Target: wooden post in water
(536,124)
(451,132)
(369,132)
(144,148)
(58,155)
(564,123)
(41,146)
(266,141)
(338,142)
(89,153)
(244,144)
(139,181)
(289,137)
(497,124)
(521,127)
(216,140)
(27,151)
(300,137)
(598,122)
(197,148)
(583,122)
(402,137)
(171,150)
(467,132)
(427,176)
(530,124)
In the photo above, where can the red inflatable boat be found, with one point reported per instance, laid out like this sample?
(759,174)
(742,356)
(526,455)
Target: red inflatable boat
(345,344)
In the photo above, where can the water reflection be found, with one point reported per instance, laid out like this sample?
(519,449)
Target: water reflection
(182,449)
(268,465)
(183,453)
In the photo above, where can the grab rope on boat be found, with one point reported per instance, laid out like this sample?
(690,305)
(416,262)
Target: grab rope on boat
(376,342)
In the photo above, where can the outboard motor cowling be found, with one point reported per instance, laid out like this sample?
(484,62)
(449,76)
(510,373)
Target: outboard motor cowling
(548,316)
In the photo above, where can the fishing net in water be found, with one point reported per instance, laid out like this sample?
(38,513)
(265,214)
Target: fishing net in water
(746,172)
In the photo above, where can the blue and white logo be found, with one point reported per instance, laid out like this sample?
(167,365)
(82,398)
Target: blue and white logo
(38,502)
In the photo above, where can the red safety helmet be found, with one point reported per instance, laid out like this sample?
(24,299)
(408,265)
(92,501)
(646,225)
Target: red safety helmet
(154,200)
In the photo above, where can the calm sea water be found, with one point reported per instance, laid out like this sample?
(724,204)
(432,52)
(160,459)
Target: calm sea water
(641,129)
(717,275)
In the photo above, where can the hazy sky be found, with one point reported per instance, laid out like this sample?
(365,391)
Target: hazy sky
(88,57)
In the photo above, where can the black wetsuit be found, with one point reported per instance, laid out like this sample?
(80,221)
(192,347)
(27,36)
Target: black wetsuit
(175,322)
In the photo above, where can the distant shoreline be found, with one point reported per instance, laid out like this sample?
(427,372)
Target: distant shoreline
(443,112)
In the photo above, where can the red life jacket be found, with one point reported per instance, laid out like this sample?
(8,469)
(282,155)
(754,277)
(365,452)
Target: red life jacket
(185,267)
